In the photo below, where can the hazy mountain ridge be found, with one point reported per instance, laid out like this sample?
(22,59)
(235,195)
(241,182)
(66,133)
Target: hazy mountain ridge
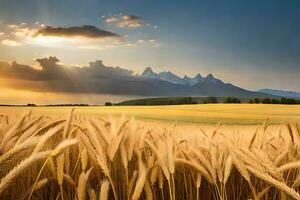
(281,93)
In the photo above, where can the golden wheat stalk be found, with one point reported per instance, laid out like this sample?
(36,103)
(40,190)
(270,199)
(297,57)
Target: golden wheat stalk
(17,170)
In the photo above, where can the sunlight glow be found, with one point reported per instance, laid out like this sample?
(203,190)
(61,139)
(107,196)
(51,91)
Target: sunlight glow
(49,41)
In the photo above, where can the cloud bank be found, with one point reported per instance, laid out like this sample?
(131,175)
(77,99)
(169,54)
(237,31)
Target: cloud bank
(55,77)
(51,70)
(95,78)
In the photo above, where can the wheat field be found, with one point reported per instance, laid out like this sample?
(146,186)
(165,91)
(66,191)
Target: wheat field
(88,157)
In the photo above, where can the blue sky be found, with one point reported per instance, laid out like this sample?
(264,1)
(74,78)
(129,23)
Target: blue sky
(253,44)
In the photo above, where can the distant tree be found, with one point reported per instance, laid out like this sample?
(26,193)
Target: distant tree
(275,101)
(283,100)
(31,105)
(266,101)
(232,100)
(108,104)
(292,101)
(250,101)
(210,100)
(189,100)
(185,100)
(256,100)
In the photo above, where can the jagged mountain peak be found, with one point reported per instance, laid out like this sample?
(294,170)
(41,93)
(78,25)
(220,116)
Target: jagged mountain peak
(198,76)
(210,76)
(149,73)
(148,70)
(173,78)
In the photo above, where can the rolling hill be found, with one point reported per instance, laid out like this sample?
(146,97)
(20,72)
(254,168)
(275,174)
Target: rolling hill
(281,93)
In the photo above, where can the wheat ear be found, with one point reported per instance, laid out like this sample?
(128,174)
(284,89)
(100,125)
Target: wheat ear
(20,168)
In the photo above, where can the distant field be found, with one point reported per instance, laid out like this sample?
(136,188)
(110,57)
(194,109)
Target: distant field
(204,113)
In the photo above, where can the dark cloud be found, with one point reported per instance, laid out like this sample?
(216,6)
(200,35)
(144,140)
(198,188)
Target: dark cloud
(86,31)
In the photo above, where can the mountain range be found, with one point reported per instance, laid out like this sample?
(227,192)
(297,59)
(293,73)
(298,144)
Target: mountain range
(174,85)
(171,77)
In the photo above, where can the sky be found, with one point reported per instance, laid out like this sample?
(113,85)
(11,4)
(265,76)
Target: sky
(253,44)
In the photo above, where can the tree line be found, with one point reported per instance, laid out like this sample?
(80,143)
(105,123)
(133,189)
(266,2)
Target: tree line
(282,100)
(204,100)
